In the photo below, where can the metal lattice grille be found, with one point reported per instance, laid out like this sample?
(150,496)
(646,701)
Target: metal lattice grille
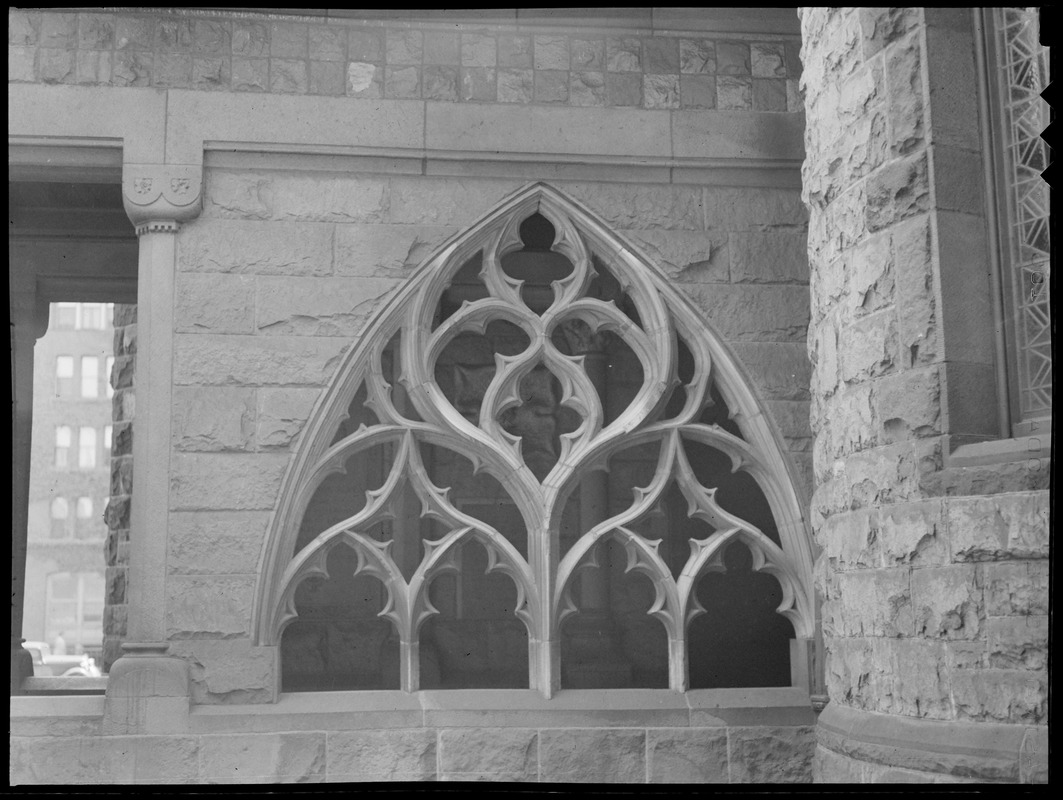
(1022,75)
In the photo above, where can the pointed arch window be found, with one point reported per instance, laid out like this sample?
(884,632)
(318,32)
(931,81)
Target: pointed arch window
(538,469)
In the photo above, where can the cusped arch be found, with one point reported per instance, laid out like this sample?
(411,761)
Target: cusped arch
(661,318)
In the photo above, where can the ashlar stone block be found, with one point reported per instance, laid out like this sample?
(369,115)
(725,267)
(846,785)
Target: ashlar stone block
(687,755)
(382,755)
(228,671)
(208,607)
(317,306)
(921,678)
(948,602)
(215,542)
(771,755)
(616,755)
(634,206)
(225,481)
(281,415)
(1015,696)
(1002,526)
(778,256)
(685,256)
(255,360)
(876,603)
(214,303)
(1018,642)
(262,758)
(262,248)
(1016,588)
(494,754)
(213,419)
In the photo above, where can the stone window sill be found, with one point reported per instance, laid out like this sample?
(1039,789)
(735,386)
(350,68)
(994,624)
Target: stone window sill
(513,708)
(1035,449)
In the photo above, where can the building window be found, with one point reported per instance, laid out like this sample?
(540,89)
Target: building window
(74,610)
(64,375)
(87,448)
(62,446)
(1018,72)
(59,512)
(109,374)
(92,316)
(556,493)
(86,526)
(107,430)
(66,315)
(90,376)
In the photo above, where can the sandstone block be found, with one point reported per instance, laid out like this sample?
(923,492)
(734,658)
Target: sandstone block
(23,27)
(588,54)
(228,671)
(634,206)
(858,674)
(442,47)
(921,681)
(250,74)
(232,538)
(382,755)
(213,419)
(697,56)
(882,26)
(916,318)
(440,83)
(697,91)
(59,30)
(779,369)
(250,38)
(404,46)
(365,44)
(966,655)
(214,303)
(1018,642)
(288,40)
(660,91)
(905,95)
(732,58)
(478,50)
(365,80)
(769,95)
(948,602)
(326,43)
(660,55)
(210,73)
(912,533)
(871,280)
(1016,588)
(753,313)
(326,77)
(624,89)
(264,248)
(769,257)
(771,755)
(734,94)
(496,754)
(687,755)
(909,405)
(897,191)
(262,758)
(750,209)
(402,82)
(768,60)
(478,84)
(875,603)
(56,66)
(623,54)
(848,540)
(515,85)
(550,86)
(686,256)
(318,306)
(255,360)
(587,88)
(592,756)
(225,481)
(871,348)
(831,767)
(444,201)
(20,63)
(1015,696)
(281,415)
(1002,526)
(208,607)
(288,76)
(173,70)
(515,51)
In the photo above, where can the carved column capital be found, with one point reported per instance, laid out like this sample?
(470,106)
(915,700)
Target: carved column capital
(159,197)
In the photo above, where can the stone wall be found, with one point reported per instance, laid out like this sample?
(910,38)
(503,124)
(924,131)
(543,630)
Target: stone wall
(283,269)
(117,517)
(594,740)
(214,51)
(934,576)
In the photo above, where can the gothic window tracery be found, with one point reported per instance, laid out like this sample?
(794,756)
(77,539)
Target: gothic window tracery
(536,471)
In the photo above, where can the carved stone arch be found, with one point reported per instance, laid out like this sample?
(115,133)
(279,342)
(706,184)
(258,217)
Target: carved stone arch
(412,412)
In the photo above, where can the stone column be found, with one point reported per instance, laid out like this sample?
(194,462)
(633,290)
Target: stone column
(29,321)
(934,577)
(148,691)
